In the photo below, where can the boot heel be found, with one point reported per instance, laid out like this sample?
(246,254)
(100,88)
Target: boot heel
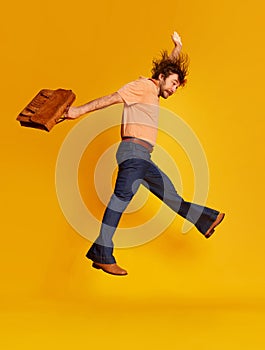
(95,266)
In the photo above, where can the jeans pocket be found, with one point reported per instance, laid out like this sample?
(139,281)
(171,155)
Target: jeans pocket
(124,152)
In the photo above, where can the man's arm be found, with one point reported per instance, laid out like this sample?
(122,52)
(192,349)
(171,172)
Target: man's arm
(99,103)
(178,45)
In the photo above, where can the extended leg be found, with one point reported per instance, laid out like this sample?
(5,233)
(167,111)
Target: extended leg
(162,187)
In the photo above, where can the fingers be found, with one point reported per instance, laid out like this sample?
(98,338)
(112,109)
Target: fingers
(68,113)
(176,38)
(65,115)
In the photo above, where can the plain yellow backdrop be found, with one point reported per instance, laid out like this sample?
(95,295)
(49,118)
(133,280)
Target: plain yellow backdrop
(182,291)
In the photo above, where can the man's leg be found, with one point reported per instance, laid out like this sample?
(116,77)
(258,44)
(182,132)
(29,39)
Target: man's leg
(159,184)
(129,178)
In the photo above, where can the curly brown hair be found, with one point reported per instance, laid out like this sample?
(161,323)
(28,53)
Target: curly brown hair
(167,65)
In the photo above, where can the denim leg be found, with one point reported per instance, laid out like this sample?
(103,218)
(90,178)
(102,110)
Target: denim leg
(129,178)
(102,249)
(162,187)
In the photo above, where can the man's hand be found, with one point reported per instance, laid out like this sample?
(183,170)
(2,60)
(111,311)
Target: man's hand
(176,39)
(72,113)
(178,45)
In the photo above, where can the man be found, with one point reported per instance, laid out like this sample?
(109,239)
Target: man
(138,131)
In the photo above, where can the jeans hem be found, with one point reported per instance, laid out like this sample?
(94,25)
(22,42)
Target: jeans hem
(100,260)
(211,220)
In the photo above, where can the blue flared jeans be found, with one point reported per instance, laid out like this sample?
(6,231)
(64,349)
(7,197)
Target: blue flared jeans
(136,168)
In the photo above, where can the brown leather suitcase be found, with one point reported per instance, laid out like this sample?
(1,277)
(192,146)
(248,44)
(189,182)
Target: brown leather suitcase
(46,109)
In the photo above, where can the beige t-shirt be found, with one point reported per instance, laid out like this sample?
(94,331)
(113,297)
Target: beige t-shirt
(141,109)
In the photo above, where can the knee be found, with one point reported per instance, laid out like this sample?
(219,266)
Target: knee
(123,196)
(119,202)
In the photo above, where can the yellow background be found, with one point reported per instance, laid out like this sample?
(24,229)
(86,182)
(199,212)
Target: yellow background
(182,291)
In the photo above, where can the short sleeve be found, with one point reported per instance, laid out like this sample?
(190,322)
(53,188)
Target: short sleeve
(133,92)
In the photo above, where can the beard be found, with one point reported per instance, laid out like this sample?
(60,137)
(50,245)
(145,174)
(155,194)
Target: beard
(165,94)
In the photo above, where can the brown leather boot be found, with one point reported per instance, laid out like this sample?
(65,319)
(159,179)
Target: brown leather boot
(112,269)
(218,220)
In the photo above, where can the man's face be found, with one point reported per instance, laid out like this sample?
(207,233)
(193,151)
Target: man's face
(169,85)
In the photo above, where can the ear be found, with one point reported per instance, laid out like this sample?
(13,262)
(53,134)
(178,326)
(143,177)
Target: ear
(161,77)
